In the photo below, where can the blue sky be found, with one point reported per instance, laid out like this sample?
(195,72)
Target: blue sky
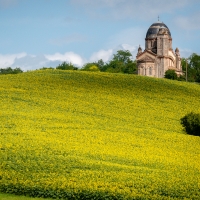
(43,33)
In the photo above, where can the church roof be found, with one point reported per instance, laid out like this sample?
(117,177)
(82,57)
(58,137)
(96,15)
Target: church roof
(154,29)
(146,56)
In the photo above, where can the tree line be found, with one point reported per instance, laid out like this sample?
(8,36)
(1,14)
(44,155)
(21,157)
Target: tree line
(122,63)
(9,70)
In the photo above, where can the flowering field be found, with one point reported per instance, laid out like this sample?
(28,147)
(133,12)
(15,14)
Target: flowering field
(81,135)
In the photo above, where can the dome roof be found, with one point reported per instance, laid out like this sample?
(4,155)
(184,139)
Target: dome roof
(154,28)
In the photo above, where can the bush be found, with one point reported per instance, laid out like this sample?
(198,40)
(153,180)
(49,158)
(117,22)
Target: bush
(66,66)
(90,67)
(191,123)
(44,68)
(171,74)
(181,78)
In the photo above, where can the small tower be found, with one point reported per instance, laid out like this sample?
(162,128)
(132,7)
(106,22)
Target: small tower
(178,59)
(177,52)
(139,50)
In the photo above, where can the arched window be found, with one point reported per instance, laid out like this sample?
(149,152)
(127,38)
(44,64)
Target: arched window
(150,70)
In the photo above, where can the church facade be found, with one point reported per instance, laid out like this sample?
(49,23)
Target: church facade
(158,56)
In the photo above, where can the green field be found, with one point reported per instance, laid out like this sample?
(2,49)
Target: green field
(85,135)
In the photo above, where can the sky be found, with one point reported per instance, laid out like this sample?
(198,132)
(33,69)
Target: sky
(45,33)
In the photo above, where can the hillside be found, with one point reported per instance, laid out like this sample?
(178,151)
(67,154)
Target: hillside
(70,133)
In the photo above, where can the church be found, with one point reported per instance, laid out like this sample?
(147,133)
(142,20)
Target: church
(158,56)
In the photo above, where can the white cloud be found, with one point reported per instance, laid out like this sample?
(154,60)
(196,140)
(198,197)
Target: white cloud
(68,56)
(30,62)
(105,55)
(8,59)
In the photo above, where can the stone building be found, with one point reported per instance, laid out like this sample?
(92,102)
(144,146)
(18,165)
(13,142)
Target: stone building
(158,55)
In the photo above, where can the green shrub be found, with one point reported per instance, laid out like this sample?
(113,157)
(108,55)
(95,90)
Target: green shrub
(90,67)
(171,74)
(191,123)
(181,78)
(66,66)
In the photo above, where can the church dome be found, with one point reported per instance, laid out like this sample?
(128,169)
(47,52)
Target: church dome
(154,29)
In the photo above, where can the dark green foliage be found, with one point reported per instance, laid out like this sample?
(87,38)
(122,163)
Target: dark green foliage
(122,56)
(66,66)
(171,74)
(191,123)
(9,70)
(193,67)
(100,63)
(115,66)
(130,67)
(43,68)
(191,73)
(121,63)
(181,78)
(194,63)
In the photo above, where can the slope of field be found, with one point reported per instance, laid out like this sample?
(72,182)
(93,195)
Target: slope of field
(69,134)
(17,197)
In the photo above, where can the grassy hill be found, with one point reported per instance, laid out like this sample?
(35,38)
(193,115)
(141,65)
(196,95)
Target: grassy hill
(85,135)
(18,197)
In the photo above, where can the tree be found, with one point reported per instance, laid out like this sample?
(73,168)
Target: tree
(66,66)
(121,63)
(122,56)
(191,73)
(191,123)
(100,63)
(193,67)
(131,67)
(114,66)
(171,74)
(194,64)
